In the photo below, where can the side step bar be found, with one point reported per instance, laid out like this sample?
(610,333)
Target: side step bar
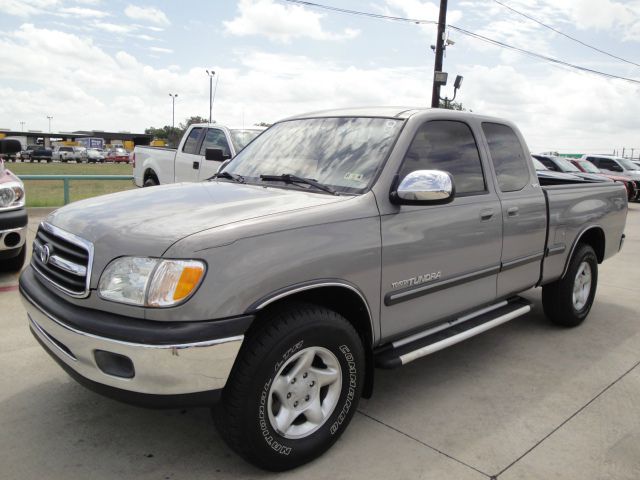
(411,348)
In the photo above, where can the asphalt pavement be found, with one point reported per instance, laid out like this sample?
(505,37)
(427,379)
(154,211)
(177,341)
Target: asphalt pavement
(526,400)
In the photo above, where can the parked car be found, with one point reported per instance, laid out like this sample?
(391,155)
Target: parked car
(588,167)
(561,164)
(80,154)
(13,214)
(550,177)
(333,243)
(616,166)
(40,154)
(63,154)
(188,163)
(26,153)
(95,155)
(117,155)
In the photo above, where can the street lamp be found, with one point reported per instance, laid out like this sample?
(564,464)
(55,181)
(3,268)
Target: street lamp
(173,116)
(456,86)
(50,118)
(21,125)
(211,74)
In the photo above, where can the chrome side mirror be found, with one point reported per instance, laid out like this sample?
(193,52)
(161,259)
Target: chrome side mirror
(424,187)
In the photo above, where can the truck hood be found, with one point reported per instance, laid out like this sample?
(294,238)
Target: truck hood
(147,221)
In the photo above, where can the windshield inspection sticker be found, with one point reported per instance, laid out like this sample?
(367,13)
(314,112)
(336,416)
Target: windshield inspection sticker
(354,177)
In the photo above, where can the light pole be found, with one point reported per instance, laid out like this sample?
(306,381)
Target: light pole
(173,115)
(50,118)
(21,125)
(456,85)
(211,74)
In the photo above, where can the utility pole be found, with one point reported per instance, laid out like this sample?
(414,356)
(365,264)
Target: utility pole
(437,66)
(50,118)
(211,74)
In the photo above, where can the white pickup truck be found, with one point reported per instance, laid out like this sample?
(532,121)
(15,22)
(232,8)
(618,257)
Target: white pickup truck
(187,163)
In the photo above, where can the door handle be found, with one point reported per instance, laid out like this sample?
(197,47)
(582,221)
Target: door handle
(486,214)
(512,211)
(196,165)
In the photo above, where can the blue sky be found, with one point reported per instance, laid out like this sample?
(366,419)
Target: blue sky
(95,64)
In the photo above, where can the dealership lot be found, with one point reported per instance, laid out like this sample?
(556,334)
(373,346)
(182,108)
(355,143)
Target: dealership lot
(526,400)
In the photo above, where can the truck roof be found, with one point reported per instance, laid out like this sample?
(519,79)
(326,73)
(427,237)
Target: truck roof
(227,127)
(389,112)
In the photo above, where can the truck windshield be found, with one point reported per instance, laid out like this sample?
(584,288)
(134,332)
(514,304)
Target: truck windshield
(566,165)
(240,138)
(588,166)
(343,153)
(628,164)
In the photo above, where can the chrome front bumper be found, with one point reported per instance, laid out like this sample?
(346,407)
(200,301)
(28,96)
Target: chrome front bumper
(158,369)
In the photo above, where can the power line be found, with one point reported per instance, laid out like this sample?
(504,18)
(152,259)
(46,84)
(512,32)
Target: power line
(540,56)
(469,33)
(566,35)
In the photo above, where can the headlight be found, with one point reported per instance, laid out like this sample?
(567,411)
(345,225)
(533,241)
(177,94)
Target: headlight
(150,282)
(11,195)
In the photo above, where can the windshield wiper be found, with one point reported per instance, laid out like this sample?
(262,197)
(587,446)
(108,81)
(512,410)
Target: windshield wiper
(288,178)
(230,176)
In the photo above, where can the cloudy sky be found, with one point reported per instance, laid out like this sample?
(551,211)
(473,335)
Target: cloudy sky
(110,65)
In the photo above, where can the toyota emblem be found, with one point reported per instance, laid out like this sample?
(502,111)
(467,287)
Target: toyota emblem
(45,253)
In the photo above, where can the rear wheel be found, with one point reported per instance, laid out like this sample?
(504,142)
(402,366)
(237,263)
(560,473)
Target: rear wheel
(567,301)
(294,387)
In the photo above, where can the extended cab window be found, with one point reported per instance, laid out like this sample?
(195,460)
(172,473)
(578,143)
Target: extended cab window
(508,157)
(191,143)
(215,139)
(448,146)
(549,164)
(608,164)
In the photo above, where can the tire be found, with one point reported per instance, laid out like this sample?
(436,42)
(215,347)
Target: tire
(14,264)
(558,300)
(150,182)
(313,345)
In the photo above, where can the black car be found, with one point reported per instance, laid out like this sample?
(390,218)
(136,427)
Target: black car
(36,152)
(562,165)
(552,177)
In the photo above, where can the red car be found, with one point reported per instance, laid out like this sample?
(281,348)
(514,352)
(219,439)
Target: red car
(118,155)
(588,167)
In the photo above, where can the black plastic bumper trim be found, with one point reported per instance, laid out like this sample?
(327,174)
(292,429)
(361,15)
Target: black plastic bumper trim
(13,219)
(128,329)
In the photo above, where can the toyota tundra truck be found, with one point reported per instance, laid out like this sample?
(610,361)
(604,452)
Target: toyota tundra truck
(334,243)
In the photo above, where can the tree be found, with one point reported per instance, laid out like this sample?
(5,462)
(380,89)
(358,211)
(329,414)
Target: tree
(191,120)
(263,124)
(453,106)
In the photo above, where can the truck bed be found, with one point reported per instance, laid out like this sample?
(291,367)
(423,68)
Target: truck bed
(572,210)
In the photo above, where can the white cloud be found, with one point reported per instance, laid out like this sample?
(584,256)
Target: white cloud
(25,8)
(161,50)
(555,109)
(281,23)
(147,14)
(84,12)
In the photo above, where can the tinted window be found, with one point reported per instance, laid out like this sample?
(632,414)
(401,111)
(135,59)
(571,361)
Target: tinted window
(508,157)
(609,164)
(191,143)
(549,164)
(448,146)
(215,139)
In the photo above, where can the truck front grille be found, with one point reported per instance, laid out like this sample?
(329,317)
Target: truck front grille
(63,259)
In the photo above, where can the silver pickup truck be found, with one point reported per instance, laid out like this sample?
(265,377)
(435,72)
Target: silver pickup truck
(334,243)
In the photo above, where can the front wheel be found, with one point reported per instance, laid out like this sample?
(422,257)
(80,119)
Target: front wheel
(567,301)
(294,387)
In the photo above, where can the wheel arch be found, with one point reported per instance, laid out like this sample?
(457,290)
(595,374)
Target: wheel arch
(593,236)
(339,296)
(149,173)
